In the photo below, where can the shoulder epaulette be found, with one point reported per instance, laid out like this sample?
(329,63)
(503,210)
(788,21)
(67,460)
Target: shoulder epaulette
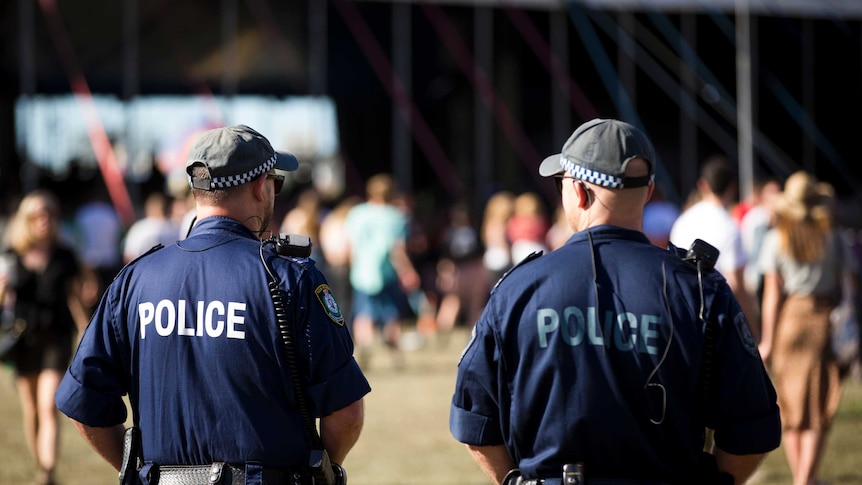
(149,252)
(530,257)
(678,252)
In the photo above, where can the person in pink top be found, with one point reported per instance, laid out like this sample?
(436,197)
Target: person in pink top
(527,227)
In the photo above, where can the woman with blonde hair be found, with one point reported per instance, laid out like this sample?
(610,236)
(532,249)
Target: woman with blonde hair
(497,257)
(42,282)
(804,260)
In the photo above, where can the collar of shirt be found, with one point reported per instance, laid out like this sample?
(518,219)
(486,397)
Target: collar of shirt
(605,232)
(219,227)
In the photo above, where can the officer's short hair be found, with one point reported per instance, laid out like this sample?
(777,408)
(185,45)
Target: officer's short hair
(214,196)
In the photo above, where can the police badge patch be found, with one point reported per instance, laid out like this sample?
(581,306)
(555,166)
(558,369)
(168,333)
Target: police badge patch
(330,306)
(744,333)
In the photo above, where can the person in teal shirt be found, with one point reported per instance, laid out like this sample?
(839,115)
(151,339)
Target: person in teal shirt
(381,274)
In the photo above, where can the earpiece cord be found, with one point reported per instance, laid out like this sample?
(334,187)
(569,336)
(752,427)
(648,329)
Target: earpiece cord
(263,260)
(700,288)
(661,361)
(191,226)
(666,349)
(655,370)
(592,253)
(595,270)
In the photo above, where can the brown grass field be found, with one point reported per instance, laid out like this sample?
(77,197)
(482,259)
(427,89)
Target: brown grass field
(406,437)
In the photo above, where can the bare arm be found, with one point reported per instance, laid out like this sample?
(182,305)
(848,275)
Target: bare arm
(404,267)
(772,299)
(4,283)
(77,305)
(493,460)
(108,442)
(340,430)
(6,293)
(740,466)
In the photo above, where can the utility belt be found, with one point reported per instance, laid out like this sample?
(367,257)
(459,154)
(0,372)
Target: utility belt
(573,474)
(584,481)
(223,474)
(135,471)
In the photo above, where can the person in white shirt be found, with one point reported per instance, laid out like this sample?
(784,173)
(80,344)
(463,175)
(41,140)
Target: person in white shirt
(709,220)
(154,228)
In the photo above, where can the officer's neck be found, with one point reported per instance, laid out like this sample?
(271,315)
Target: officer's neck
(633,223)
(600,213)
(244,212)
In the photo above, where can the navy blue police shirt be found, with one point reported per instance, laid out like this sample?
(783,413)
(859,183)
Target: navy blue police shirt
(561,373)
(189,333)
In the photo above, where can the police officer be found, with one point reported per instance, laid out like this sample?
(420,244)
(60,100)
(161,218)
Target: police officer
(593,359)
(189,332)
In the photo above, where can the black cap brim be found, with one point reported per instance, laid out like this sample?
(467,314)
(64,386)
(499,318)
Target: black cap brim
(285,161)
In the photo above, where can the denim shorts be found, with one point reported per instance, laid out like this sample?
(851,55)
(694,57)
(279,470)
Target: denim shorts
(389,305)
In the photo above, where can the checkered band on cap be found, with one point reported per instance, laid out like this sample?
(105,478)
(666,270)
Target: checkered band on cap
(591,176)
(234,180)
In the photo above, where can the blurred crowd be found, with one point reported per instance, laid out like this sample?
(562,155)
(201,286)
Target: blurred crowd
(458,252)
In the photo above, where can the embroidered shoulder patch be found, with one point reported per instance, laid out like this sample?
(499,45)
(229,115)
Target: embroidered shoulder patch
(330,306)
(745,336)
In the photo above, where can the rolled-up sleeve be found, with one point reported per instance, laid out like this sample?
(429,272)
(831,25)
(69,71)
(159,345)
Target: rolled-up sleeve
(736,438)
(91,407)
(474,417)
(346,386)
(92,390)
(473,429)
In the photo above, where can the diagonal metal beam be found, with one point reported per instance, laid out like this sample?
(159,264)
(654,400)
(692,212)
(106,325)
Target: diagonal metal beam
(609,76)
(381,66)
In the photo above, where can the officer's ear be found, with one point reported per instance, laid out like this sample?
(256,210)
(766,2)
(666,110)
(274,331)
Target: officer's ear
(585,194)
(258,188)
